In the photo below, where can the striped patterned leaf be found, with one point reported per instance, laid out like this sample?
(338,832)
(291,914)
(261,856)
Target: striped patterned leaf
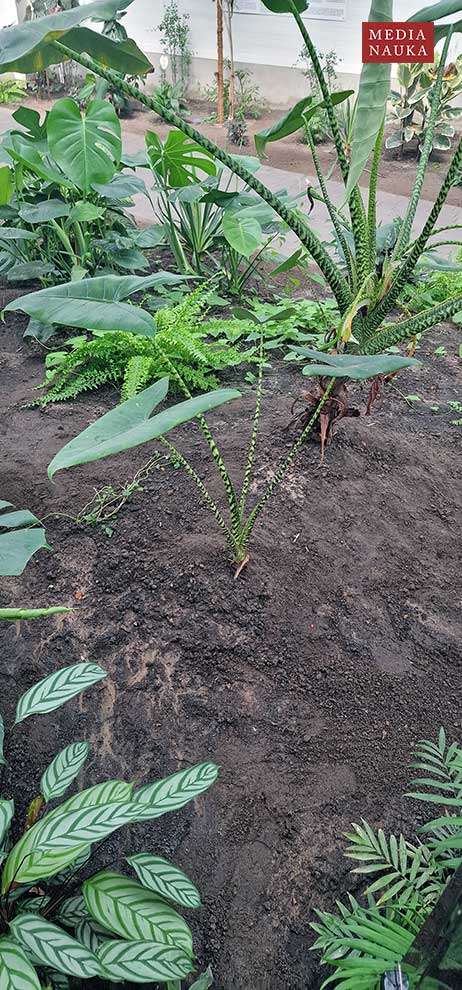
(126,908)
(6,814)
(36,863)
(87,936)
(72,911)
(159,875)
(54,690)
(63,770)
(175,791)
(54,947)
(16,973)
(138,962)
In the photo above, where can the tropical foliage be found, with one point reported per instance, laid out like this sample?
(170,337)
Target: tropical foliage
(363,941)
(411,105)
(55,925)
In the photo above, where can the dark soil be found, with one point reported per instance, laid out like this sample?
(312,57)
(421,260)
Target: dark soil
(308,680)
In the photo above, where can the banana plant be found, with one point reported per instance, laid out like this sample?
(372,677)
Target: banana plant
(55,926)
(367,302)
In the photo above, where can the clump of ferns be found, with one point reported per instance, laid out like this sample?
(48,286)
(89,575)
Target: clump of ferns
(363,941)
(133,361)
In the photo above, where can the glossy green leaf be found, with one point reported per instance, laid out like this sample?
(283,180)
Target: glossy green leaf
(58,688)
(355,366)
(89,303)
(53,947)
(283,7)
(15,614)
(242,231)
(124,56)
(159,875)
(435,11)
(30,119)
(374,90)
(27,47)
(50,209)
(178,159)
(125,907)
(23,149)
(6,814)
(139,962)
(131,424)
(6,184)
(87,147)
(16,972)
(23,538)
(63,770)
(295,119)
(85,212)
(174,791)
(121,186)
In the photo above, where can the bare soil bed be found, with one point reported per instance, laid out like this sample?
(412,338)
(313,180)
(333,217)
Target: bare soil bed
(308,680)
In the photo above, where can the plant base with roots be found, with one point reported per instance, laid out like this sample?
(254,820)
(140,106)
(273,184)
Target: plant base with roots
(336,407)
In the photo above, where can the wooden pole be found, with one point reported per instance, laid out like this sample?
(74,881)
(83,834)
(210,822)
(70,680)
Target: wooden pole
(220,74)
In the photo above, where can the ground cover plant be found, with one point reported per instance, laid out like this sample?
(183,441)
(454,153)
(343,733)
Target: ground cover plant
(58,918)
(369,938)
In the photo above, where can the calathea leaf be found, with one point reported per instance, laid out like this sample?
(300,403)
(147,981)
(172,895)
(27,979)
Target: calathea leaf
(159,875)
(72,911)
(87,148)
(173,792)
(6,814)
(131,424)
(125,907)
(63,770)
(374,90)
(54,690)
(16,972)
(295,119)
(139,962)
(53,947)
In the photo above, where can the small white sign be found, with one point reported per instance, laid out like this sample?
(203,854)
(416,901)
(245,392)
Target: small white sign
(319,10)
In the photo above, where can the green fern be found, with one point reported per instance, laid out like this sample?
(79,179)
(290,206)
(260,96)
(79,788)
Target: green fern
(133,361)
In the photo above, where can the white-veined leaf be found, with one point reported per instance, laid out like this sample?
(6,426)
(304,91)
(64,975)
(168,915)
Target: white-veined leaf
(16,973)
(125,907)
(72,911)
(54,690)
(139,962)
(54,947)
(159,875)
(176,790)
(6,814)
(63,770)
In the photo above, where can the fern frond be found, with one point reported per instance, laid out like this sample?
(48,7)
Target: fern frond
(138,373)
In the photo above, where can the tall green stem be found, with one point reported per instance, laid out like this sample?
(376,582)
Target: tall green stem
(372,201)
(304,233)
(253,440)
(331,208)
(405,232)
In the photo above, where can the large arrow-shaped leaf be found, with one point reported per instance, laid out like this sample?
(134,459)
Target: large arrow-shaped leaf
(355,366)
(24,537)
(27,47)
(130,424)
(86,147)
(299,115)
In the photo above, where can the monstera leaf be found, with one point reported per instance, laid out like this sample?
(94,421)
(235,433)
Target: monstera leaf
(28,47)
(178,159)
(86,147)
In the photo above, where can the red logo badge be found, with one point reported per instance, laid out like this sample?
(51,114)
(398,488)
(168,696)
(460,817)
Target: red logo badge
(399,41)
